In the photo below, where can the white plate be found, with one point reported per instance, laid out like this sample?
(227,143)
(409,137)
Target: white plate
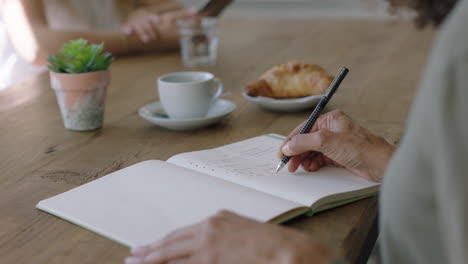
(155,114)
(284,105)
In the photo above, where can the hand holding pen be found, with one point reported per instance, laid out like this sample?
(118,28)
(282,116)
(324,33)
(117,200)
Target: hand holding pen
(318,109)
(336,140)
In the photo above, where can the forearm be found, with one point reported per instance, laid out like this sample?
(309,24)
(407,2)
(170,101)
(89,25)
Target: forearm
(34,40)
(49,42)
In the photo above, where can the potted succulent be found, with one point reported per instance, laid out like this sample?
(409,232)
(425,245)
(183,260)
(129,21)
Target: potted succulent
(80,74)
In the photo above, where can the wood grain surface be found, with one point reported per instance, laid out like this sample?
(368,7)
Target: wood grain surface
(39,158)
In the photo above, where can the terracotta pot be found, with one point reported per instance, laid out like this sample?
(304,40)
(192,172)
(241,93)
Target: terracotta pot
(81,98)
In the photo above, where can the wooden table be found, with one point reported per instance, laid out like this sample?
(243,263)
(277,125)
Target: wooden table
(39,158)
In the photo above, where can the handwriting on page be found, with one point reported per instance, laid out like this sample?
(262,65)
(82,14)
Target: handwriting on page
(240,160)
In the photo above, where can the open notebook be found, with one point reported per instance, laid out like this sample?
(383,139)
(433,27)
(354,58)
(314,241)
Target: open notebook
(141,203)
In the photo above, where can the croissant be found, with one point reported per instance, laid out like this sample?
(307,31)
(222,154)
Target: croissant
(292,79)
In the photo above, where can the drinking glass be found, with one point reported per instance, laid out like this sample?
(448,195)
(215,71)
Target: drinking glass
(198,41)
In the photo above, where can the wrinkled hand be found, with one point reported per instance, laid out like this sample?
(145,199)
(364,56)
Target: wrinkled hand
(335,139)
(143,23)
(227,238)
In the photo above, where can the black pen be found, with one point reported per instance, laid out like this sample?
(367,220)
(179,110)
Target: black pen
(318,108)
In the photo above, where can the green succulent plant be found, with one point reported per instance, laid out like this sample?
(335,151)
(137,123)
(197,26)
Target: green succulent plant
(78,57)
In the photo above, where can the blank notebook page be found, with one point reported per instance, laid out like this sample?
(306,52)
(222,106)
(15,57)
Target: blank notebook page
(144,202)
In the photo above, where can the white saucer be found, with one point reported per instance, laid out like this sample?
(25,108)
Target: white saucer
(155,114)
(284,105)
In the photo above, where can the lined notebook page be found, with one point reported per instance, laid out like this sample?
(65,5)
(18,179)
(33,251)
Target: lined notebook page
(252,163)
(142,203)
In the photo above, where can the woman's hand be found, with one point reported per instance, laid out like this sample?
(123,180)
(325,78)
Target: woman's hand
(167,27)
(142,22)
(164,37)
(335,139)
(148,25)
(227,238)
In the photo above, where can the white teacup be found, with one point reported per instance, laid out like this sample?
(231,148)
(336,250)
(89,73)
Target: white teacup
(187,95)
